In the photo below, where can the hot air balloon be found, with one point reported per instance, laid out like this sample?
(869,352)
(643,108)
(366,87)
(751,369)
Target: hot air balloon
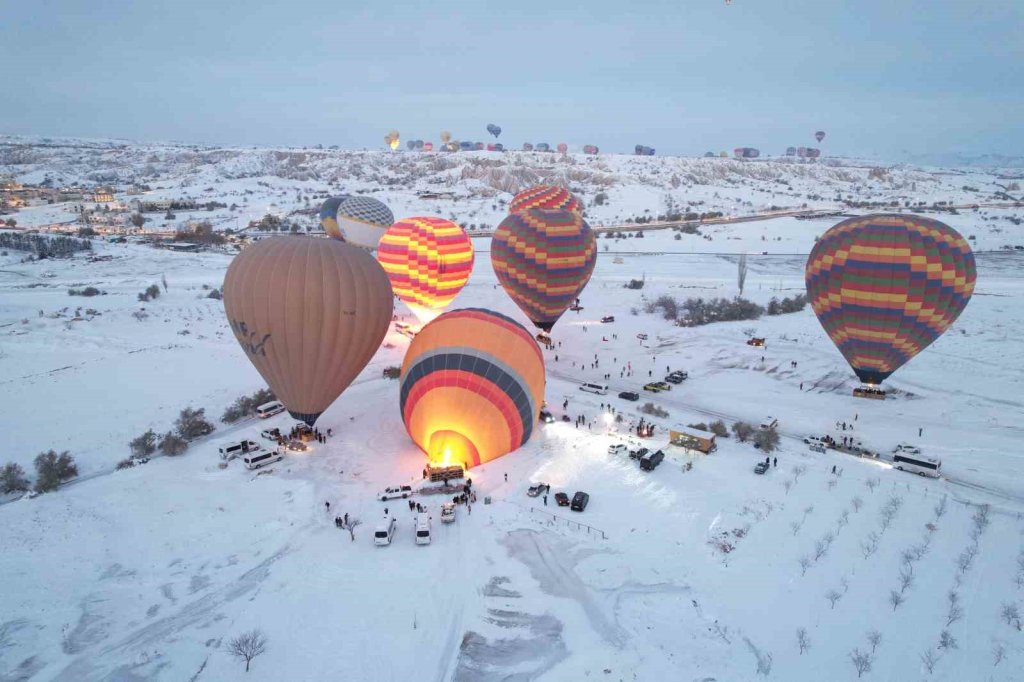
(479,146)
(329,214)
(820,135)
(527,147)
(493,129)
(428,261)
(543,260)
(410,144)
(723,155)
(446,136)
(547,197)
(542,147)
(472,385)
(709,155)
(563,147)
(466,146)
(428,146)
(886,286)
(499,147)
(359,220)
(790,151)
(309,313)
(590,149)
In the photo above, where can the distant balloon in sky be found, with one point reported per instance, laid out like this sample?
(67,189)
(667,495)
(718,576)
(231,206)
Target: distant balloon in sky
(493,129)
(527,147)
(543,260)
(359,220)
(884,287)
(428,261)
(309,314)
(471,387)
(446,136)
(548,197)
(563,147)
(820,135)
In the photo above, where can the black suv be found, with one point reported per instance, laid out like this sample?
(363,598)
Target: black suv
(651,460)
(579,501)
(630,395)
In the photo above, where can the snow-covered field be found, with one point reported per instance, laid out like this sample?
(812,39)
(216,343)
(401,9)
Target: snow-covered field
(144,574)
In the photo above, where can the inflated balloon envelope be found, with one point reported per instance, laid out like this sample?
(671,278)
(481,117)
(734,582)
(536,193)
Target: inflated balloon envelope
(309,314)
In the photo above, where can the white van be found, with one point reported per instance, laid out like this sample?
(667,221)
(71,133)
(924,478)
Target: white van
(385,531)
(448,512)
(255,460)
(600,389)
(269,409)
(231,450)
(423,528)
(617,449)
(769,423)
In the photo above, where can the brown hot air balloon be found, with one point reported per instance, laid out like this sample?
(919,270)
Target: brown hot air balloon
(309,313)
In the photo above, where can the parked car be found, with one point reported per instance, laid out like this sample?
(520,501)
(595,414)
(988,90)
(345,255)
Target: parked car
(617,449)
(565,418)
(271,434)
(423,528)
(814,441)
(630,395)
(538,489)
(761,467)
(638,454)
(651,460)
(547,417)
(580,501)
(447,512)
(677,377)
(402,491)
(297,446)
(755,341)
(561,499)
(769,422)
(642,337)
(657,387)
(269,409)
(908,449)
(608,318)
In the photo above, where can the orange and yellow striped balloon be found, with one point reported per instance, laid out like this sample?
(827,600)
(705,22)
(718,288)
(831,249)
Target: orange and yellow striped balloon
(428,261)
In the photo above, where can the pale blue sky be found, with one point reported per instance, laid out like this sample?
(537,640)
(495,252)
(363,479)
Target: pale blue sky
(880,76)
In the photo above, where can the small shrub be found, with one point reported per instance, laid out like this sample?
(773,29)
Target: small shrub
(652,409)
(52,469)
(635,284)
(87,291)
(172,445)
(126,463)
(719,429)
(215,294)
(12,479)
(743,431)
(767,439)
(144,445)
(192,424)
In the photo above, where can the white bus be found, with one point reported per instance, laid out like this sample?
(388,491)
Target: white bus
(256,460)
(269,409)
(599,389)
(917,464)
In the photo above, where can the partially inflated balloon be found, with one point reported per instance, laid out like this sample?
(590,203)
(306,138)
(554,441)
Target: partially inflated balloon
(360,220)
(428,261)
(472,385)
(445,136)
(884,287)
(329,214)
(548,197)
(309,313)
(543,260)
(563,147)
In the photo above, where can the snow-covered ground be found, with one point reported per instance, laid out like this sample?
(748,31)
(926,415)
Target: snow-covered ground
(144,574)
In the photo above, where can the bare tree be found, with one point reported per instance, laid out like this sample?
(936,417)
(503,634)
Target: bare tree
(874,639)
(870,546)
(966,558)
(998,653)
(787,484)
(947,641)
(844,519)
(831,484)
(801,640)
(1011,614)
(820,548)
(861,661)
(741,272)
(940,508)
(833,596)
(805,563)
(955,612)
(928,660)
(856,503)
(350,525)
(795,526)
(248,646)
(872,483)
(908,560)
(895,598)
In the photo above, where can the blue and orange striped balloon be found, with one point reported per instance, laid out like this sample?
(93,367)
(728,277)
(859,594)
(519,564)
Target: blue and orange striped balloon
(543,259)
(472,385)
(884,287)
(547,197)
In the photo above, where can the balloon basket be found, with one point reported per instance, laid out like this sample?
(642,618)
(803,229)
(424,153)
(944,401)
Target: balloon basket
(869,392)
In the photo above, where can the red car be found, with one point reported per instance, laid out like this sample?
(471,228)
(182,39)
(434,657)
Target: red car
(562,499)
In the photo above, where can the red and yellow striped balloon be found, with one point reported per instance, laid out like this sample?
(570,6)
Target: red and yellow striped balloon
(886,286)
(547,197)
(428,261)
(472,386)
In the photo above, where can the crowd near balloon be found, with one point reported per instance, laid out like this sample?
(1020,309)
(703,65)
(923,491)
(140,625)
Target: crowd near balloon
(310,312)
